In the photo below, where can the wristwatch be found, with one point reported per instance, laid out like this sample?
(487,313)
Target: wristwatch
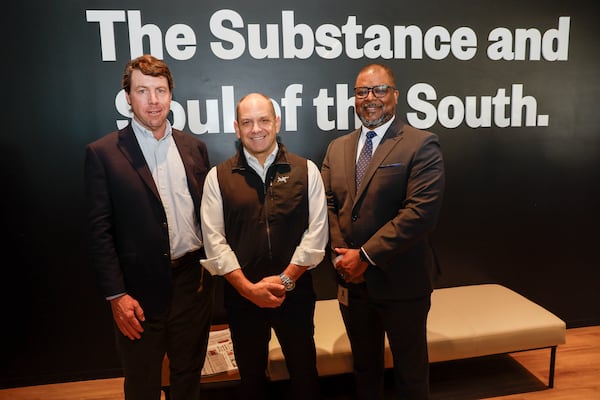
(288,283)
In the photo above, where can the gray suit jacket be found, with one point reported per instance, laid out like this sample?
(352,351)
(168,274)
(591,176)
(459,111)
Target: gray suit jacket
(393,211)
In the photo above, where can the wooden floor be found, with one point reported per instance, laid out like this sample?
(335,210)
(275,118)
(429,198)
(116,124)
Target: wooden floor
(519,376)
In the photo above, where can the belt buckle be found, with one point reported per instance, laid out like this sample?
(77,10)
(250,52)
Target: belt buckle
(186,258)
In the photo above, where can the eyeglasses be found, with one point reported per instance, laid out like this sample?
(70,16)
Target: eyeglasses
(379,91)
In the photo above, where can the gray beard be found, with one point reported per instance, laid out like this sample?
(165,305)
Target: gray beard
(374,123)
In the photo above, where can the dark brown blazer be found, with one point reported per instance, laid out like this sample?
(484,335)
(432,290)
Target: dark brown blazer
(128,237)
(394,210)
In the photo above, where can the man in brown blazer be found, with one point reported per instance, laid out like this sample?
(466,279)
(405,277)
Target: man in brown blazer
(379,232)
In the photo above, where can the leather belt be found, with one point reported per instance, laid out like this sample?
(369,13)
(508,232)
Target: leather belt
(187,258)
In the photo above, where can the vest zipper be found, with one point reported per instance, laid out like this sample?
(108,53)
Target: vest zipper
(268,196)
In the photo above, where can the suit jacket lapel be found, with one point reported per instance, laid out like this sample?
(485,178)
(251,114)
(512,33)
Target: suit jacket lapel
(350,162)
(188,162)
(390,139)
(132,151)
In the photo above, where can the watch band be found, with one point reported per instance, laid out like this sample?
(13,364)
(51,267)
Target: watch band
(288,282)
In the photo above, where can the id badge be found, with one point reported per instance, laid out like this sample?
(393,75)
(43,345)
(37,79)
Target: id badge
(342,295)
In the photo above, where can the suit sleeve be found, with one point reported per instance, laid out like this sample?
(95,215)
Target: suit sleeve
(335,234)
(101,245)
(419,212)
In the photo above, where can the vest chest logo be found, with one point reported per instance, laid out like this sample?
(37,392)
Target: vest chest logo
(282,179)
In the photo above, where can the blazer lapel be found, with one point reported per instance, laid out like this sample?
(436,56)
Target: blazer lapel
(390,139)
(350,162)
(188,161)
(132,151)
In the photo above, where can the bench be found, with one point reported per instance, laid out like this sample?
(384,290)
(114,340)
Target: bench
(464,322)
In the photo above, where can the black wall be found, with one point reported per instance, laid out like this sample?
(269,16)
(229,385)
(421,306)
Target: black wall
(522,202)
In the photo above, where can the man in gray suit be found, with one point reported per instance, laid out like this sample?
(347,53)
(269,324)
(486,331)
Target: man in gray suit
(384,184)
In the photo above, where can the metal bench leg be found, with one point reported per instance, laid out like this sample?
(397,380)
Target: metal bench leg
(552,364)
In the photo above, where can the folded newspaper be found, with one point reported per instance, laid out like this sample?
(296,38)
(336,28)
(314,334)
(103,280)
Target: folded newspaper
(219,354)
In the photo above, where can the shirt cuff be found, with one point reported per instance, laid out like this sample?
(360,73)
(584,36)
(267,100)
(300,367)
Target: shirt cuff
(367,255)
(115,296)
(222,264)
(307,257)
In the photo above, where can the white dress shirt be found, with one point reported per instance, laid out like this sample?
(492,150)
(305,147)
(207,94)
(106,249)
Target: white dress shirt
(380,131)
(168,173)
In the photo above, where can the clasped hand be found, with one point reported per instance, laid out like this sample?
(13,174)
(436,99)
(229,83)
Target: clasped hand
(268,292)
(349,265)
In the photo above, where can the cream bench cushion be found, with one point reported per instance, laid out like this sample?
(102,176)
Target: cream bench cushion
(479,320)
(464,322)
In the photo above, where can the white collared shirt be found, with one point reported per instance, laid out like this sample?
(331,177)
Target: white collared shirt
(380,131)
(253,162)
(168,173)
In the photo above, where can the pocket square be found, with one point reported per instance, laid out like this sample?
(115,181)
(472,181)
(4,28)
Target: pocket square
(390,165)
